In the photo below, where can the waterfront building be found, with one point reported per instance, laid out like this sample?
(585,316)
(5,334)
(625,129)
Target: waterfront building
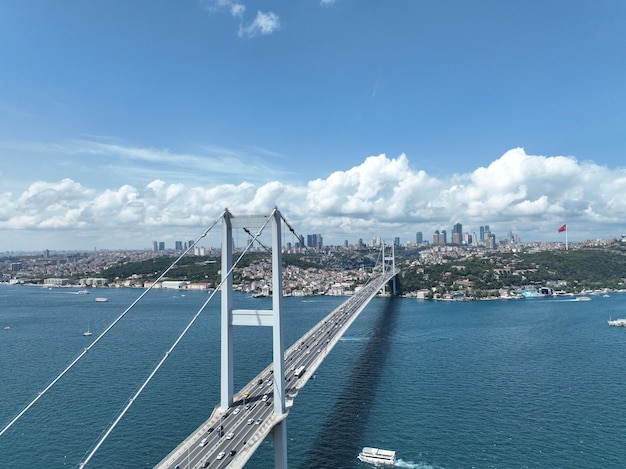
(57,282)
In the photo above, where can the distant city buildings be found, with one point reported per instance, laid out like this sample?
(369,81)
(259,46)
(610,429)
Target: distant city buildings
(314,241)
(440,238)
(457,234)
(484,237)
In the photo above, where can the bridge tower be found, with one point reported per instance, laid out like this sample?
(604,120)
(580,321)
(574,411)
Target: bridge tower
(244,317)
(389,264)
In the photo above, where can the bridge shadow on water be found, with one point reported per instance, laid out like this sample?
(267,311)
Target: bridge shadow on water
(338,444)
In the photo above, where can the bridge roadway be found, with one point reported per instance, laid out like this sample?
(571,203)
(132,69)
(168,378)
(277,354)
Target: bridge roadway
(229,438)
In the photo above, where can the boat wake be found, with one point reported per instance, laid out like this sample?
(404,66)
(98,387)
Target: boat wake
(353,339)
(414,465)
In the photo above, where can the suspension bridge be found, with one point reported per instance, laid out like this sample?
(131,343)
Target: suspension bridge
(243,420)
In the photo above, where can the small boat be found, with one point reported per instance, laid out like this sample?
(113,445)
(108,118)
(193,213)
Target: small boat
(82,292)
(617,322)
(583,298)
(377,456)
(101,299)
(87,333)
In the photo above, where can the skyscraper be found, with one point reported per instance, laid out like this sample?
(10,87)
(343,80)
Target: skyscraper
(457,234)
(419,237)
(440,238)
(314,241)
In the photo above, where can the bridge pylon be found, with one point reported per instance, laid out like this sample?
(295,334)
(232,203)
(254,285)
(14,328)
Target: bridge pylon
(389,264)
(246,317)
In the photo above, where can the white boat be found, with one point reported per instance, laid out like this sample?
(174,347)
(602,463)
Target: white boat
(377,456)
(82,292)
(617,322)
(87,333)
(583,298)
(101,299)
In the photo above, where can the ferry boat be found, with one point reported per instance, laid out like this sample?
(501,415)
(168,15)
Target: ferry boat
(377,456)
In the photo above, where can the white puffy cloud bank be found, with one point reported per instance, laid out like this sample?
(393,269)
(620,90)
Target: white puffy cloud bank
(527,194)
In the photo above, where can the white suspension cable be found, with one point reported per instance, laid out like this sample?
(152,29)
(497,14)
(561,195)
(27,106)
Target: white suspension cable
(118,319)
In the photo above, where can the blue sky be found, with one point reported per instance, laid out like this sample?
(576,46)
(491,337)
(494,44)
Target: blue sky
(124,122)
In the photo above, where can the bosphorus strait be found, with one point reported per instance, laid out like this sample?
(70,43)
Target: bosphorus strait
(535,383)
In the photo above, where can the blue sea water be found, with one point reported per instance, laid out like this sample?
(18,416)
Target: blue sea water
(499,384)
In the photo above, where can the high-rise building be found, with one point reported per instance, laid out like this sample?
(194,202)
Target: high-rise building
(457,234)
(155,246)
(178,245)
(161,246)
(314,241)
(300,243)
(440,238)
(396,242)
(419,237)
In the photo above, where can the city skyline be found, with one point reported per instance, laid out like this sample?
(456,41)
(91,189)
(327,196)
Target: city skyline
(121,124)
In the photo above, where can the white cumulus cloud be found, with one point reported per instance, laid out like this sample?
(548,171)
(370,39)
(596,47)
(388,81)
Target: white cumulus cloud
(529,194)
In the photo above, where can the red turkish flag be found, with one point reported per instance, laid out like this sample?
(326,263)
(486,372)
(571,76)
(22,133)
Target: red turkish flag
(563,228)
